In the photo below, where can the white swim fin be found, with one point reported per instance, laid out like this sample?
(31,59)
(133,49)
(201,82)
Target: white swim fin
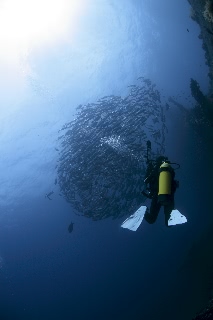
(134,221)
(176,218)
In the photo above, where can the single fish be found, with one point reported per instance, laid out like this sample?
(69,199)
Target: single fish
(70,228)
(48,195)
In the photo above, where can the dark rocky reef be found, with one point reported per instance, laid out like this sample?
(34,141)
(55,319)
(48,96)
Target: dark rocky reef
(202,13)
(203,110)
(201,117)
(206,313)
(202,113)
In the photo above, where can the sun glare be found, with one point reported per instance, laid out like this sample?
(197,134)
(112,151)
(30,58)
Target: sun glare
(28,23)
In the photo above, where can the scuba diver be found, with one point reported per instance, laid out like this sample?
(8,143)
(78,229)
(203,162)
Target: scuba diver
(160,187)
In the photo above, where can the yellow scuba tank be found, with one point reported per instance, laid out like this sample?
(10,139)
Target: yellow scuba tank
(165,183)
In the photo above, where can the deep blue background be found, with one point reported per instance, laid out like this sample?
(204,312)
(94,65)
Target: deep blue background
(101,271)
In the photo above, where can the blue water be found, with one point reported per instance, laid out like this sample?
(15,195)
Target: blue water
(101,271)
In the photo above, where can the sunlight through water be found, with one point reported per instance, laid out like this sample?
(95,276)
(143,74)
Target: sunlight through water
(25,24)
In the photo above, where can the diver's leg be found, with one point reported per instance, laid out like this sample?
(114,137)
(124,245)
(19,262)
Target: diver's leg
(151,215)
(168,209)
